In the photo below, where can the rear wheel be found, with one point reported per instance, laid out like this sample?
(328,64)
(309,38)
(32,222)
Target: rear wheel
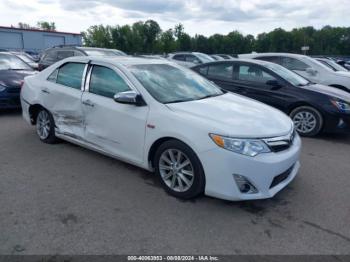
(45,127)
(307,120)
(179,170)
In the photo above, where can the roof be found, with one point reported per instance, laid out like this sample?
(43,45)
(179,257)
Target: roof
(246,60)
(253,55)
(38,30)
(121,60)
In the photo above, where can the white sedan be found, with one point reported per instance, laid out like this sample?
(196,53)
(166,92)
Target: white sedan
(168,119)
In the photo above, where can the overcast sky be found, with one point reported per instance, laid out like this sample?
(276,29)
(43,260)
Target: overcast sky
(198,16)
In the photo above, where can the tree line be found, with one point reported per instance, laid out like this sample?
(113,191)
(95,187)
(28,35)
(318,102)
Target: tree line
(148,38)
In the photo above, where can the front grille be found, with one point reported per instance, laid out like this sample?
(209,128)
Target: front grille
(280,178)
(278,144)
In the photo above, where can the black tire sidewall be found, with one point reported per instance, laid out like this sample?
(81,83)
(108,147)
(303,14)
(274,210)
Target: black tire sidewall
(199,178)
(51,139)
(316,114)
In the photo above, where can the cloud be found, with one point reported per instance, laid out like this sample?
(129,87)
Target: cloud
(198,16)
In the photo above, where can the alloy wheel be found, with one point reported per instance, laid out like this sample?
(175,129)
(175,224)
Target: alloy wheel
(305,122)
(176,170)
(43,125)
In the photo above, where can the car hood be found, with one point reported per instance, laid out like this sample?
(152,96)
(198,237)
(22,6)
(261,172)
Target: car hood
(235,116)
(13,78)
(329,90)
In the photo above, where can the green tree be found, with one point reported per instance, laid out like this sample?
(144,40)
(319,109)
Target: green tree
(44,25)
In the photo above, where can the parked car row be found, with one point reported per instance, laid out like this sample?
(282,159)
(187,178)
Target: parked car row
(312,107)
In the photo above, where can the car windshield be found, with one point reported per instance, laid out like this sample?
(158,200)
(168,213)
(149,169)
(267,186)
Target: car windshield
(170,84)
(12,62)
(205,58)
(96,52)
(25,58)
(333,65)
(288,75)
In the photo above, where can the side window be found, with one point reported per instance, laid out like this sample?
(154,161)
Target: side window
(50,56)
(106,82)
(294,64)
(223,70)
(64,54)
(71,75)
(192,59)
(253,73)
(179,57)
(53,76)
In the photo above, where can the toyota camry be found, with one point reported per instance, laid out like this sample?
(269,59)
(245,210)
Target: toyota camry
(167,119)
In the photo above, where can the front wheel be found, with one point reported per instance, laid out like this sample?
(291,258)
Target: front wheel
(307,120)
(180,171)
(45,127)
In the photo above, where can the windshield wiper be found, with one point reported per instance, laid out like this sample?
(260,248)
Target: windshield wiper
(178,101)
(208,96)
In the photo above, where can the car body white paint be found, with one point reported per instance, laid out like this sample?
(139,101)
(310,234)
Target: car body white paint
(197,55)
(322,74)
(122,131)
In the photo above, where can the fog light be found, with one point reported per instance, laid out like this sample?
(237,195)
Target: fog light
(244,185)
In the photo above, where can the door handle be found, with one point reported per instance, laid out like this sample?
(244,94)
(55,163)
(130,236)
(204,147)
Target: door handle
(88,103)
(45,91)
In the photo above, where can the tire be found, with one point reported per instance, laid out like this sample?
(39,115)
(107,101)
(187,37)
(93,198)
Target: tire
(45,127)
(308,121)
(175,179)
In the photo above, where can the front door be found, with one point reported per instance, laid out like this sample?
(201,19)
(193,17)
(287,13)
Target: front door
(115,128)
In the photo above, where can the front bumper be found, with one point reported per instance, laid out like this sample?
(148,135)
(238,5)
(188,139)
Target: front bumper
(10,99)
(337,123)
(221,165)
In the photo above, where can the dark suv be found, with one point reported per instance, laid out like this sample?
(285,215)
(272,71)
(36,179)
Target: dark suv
(57,53)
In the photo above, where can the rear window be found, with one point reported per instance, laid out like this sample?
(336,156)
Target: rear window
(71,75)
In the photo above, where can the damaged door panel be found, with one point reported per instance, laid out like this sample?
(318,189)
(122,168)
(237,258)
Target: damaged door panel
(63,95)
(118,128)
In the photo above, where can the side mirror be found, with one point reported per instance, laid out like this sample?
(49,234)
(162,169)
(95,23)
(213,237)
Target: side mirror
(311,71)
(275,84)
(129,97)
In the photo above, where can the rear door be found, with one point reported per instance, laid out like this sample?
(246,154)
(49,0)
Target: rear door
(118,129)
(62,97)
(254,79)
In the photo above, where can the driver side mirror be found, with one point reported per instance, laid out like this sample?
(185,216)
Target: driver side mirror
(311,71)
(129,97)
(275,84)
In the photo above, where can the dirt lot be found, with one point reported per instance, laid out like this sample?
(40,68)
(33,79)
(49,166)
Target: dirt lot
(63,199)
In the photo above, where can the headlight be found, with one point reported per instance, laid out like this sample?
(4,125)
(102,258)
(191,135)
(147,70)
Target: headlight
(248,147)
(341,105)
(2,88)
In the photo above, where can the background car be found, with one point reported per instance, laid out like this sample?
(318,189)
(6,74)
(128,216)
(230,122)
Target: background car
(26,58)
(307,67)
(164,117)
(189,59)
(12,72)
(52,55)
(226,56)
(332,64)
(217,58)
(313,107)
